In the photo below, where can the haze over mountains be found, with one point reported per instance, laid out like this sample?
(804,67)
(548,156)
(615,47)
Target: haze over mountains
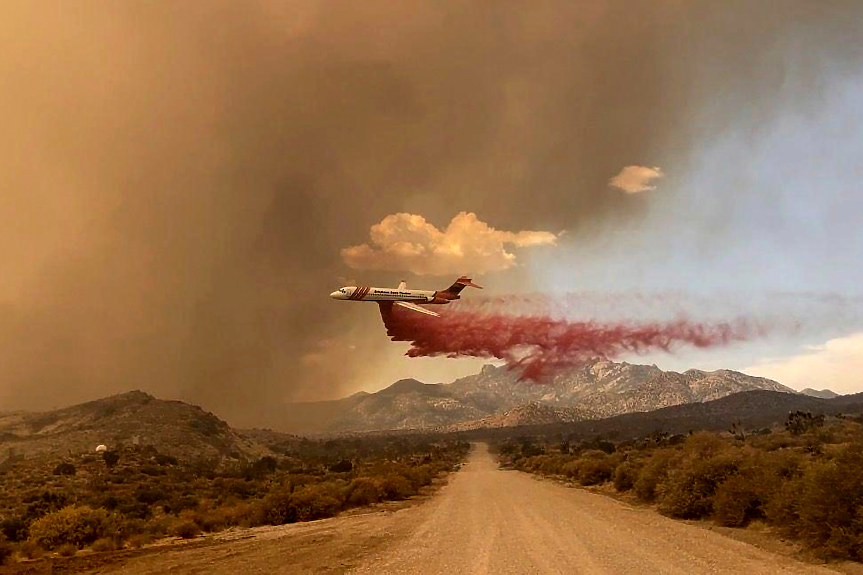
(495,398)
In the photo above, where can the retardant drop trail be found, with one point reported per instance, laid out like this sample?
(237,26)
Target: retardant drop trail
(541,345)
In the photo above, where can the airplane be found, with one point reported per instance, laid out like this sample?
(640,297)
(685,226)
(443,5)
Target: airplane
(404,297)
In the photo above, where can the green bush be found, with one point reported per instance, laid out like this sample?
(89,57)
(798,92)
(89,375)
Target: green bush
(625,476)
(654,471)
(396,487)
(363,491)
(737,500)
(314,502)
(824,506)
(277,508)
(571,468)
(688,491)
(74,525)
(595,469)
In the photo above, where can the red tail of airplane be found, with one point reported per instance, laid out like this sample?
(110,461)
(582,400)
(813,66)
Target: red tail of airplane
(453,291)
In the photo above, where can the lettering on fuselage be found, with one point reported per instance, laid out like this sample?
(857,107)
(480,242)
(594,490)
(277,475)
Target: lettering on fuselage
(397,294)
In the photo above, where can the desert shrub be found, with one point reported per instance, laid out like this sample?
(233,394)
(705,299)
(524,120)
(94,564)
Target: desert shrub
(15,528)
(395,487)
(688,492)
(261,468)
(822,507)
(151,495)
(76,525)
(595,469)
(111,458)
(420,476)
(139,540)
(314,502)
(212,520)
(703,445)
(135,509)
(160,526)
(625,476)
(44,503)
(185,529)
(363,491)
(162,459)
(343,466)
(30,550)
(653,472)
(152,470)
(183,503)
(570,468)
(737,500)
(276,508)
(64,469)
(103,544)
(67,550)
(799,422)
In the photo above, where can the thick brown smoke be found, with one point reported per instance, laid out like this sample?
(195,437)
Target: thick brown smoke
(539,346)
(177,178)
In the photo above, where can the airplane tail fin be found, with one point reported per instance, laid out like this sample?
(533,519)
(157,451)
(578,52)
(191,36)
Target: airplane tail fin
(460,284)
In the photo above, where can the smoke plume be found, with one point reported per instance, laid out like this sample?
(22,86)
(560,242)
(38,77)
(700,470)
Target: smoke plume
(177,179)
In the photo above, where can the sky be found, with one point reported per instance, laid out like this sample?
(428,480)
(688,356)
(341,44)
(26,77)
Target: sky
(182,185)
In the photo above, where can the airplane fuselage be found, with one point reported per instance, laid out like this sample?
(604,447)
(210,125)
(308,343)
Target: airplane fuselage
(368,293)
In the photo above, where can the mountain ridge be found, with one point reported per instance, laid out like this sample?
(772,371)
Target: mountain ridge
(593,390)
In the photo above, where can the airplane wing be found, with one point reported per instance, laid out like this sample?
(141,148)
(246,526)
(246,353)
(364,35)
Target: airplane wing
(415,307)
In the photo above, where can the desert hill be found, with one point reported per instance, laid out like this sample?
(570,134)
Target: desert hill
(133,418)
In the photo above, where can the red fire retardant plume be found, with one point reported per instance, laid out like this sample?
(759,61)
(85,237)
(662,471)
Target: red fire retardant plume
(539,346)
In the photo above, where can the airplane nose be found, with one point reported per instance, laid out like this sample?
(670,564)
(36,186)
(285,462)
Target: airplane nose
(335,294)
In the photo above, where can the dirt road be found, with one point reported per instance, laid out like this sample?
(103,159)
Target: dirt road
(485,520)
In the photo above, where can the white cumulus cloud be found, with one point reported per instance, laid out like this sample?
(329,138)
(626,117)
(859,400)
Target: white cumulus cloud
(836,365)
(635,179)
(407,242)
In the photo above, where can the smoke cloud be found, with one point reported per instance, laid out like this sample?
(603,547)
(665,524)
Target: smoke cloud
(178,179)
(636,179)
(407,242)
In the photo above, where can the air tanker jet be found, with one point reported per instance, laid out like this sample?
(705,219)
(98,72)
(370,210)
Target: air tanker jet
(404,297)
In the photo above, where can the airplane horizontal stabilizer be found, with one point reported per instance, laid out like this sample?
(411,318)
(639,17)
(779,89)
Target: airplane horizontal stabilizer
(415,307)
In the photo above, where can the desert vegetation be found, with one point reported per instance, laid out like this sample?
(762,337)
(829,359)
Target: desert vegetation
(805,479)
(130,496)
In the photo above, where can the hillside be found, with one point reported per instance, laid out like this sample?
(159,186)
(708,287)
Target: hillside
(750,410)
(494,397)
(133,418)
